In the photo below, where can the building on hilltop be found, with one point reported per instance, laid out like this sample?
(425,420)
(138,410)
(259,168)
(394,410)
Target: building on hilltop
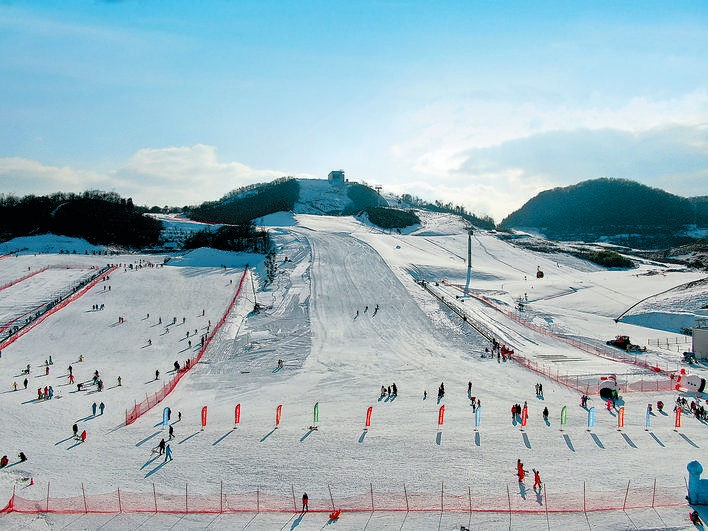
(336,177)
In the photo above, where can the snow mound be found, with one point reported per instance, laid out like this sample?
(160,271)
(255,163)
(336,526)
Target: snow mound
(318,196)
(207,257)
(48,243)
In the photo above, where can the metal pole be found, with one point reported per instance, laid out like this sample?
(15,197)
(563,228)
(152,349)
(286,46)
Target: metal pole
(258,500)
(625,495)
(154,495)
(48,496)
(371,487)
(292,487)
(545,490)
(120,507)
(442,497)
(83,491)
(221,497)
(508,497)
(330,497)
(653,495)
(585,508)
(469,497)
(405,492)
(186,499)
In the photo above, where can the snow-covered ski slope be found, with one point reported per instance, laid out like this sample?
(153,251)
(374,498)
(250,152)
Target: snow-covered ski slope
(338,353)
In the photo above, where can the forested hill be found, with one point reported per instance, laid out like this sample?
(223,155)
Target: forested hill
(605,208)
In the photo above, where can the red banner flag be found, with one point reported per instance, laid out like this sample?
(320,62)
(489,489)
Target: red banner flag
(524,415)
(620,418)
(204,415)
(678,417)
(237,414)
(441,415)
(368,416)
(277,414)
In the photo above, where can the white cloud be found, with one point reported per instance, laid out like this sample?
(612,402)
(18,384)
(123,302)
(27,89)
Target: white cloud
(173,176)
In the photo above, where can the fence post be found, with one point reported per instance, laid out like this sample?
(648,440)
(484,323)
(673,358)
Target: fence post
(469,497)
(48,496)
(545,491)
(330,497)
(258,500)
(508,498)
(405,492)
(442,497)
(83,492)
(653,495)
(292,488)
(625,495)
(371,487)
(221,497)
(186,499)
(120,507)
(154,495)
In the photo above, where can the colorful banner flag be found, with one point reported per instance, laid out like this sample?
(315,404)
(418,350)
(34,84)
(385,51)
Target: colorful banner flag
(591,417)
(165,416)
(316,413)
(368,416)
(648,421)
(478,416)
(564,415)
(678,417)
(620,418)
(524,415)
(237,414)
(204,416)
(441,415)
(278,412)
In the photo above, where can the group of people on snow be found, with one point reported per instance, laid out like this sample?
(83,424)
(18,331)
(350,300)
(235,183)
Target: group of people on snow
(390,391)
(521,473)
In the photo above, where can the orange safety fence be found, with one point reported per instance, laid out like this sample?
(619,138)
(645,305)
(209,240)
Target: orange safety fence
(502,499)
(151,401)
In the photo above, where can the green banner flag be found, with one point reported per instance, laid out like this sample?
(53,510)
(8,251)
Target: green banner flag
(564,415)
(316,415)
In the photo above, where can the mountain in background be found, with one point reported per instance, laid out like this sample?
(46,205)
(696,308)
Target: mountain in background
(613,210)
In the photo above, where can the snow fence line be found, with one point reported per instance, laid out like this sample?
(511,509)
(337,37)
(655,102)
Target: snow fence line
(75,294)
(573,382)
(151,401)
(509,499)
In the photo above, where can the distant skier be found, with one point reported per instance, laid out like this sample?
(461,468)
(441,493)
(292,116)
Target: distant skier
(520,470)
(119,381)
(157,374)
(75,428)
(545,414)
(83,436)
(22,456)
(305,501)
(25,383)
(102,406)
(93,408)
(172,433)
(168,453)
(161,447)
(469,389)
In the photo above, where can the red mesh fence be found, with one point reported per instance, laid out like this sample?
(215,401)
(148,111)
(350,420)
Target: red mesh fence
(507,499)
(151,401)
(574,382)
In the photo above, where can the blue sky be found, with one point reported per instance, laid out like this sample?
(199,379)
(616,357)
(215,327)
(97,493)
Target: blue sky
(480,103)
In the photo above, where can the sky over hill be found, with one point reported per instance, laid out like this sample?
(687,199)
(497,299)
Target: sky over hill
(481,104)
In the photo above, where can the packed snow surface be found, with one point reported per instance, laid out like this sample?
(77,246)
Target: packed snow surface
(346,315)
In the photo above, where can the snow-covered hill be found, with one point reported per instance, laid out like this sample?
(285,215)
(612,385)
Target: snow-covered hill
(346,315)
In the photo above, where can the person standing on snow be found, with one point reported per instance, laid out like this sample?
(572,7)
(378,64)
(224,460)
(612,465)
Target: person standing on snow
(93,408)
(161,447)
(520,470)
(172,433)
(168,453)
(305,501)
(102,406)
(545,414)
(75,428)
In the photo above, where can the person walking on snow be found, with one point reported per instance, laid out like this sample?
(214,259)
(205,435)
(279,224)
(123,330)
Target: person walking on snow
(102,406)
(520,470)
(93,408)
(161,447)
(168,453)
(536,479)
(75,428)
(172,433)
(83,436)
(157,374)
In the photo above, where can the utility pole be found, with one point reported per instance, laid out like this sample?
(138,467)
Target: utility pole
(469,259)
